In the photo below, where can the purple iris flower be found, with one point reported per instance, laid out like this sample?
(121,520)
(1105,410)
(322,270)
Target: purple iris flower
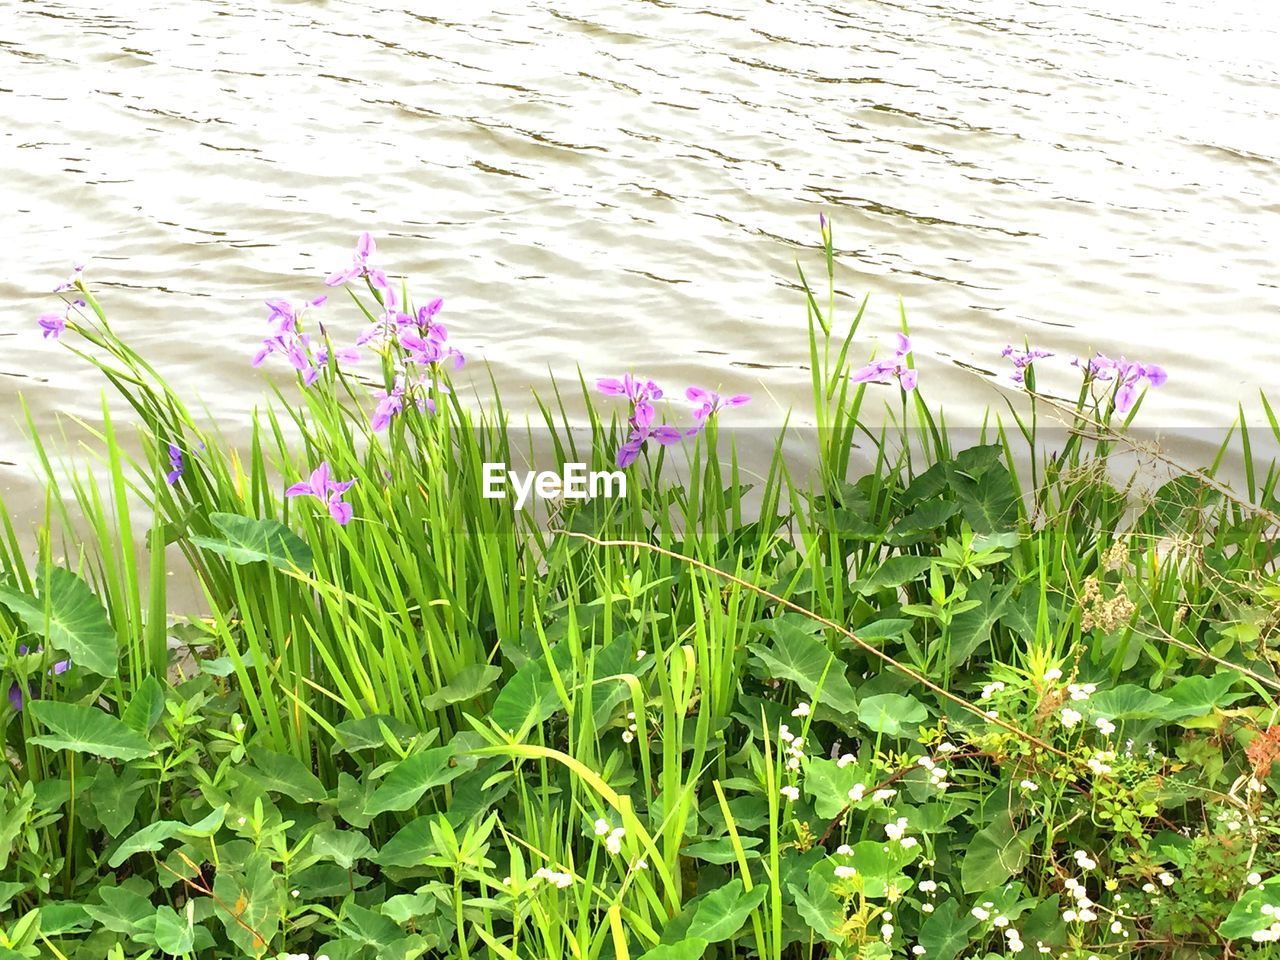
(391,403)
(709,403)
(365,248)
(328,491)
(1128,374)
(1021,359)
(53,324)
(895,367)
(76,270)
(642,431)
(175,465)
(16,696)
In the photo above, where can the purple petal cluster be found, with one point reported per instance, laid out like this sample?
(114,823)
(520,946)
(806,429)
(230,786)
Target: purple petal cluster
(77,271)
(287,338)
(328,491)
(641,421)
(1021,359)
(53,325)
(175,465)
(391,402)
(360,267)
(891,368)
(17,697)
(1129,376)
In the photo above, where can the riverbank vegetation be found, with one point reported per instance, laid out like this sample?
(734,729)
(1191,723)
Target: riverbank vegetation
(925,699)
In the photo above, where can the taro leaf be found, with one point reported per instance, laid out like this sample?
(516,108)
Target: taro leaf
(946,931)
(10,889)
(1246,917)
(893,573)
(989,503)
(371,929)
(152,838)
(61,917)
(412,844)
(121,910)
(173,933)
(721,850)
(85,729)
(248,540)
(405,908)
(252,914)
(977,460)
(881,867)
(926,520)
(691,948)
(115,797)
(1128,702)
(818,905)
(467,684)
(145,707)
(972,628)
(887,629)
(16,806)
(995,854)
(722,913)
(367,733)
(530,697)
(283,774)
(1198,696)
(806,662)
(76,623)
(343,847)
(887,713)
(829,785)
(415,775)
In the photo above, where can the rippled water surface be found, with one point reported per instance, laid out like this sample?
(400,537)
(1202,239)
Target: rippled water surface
(626,184)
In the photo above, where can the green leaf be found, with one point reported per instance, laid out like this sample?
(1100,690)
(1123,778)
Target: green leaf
(16,806)
(415,775)
(722,912)
(283,774)
(145,707)
(1246,916)
(1128,702)
(530,697)
(70,617)
(343,847)
(927,520)
(369,733)
(829,785)
(152,837)
(467,684)
(85,729)
(252,896)
(946,931)
(173,933)
(971,629)
(888,713)
(688,949)
(995,854)
(893,573)
(989,503)
(248,540)
(115,797)
(1199,696)
(806,662)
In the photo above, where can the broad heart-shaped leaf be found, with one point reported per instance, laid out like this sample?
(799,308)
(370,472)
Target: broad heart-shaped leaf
(283,774)
(152,837)
(1127,702)
(115,798)
(722,912)
(343,847)
(972,628)
(247,540)
(415,775)
(14,808)
(173,933)
(85,729)
(252,896)
(927,520)
(530,697)
(691,948)
(829,785)
(989,503)
(467,684)
(806,662)
(145,707)
(1198,696)
(887,713)
(946,931)
(893,573)
(75,622)
(995,854)
(1246,917)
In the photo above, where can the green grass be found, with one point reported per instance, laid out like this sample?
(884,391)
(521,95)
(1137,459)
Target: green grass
(396,738)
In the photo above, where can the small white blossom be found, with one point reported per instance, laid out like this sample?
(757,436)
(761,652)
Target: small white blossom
(885,794)
(1052,674)
(1166,878)
(802,710)
(981,913)
(1030,786)
(845,760)
(855,795)
(1254,879)
(1070,717)
(790,793)
(928,886)
(1105,726)
(844,871)
(844,850)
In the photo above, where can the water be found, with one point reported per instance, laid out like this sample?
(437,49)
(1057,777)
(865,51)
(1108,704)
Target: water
(626,184)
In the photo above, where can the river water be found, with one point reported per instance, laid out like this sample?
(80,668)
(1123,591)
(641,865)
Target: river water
(627,184)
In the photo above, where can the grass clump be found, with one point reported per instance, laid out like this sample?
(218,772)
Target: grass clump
(961,700)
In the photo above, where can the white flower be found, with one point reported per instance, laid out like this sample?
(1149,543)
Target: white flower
(602,827)
(802,710)
(561,880)
(855,795)
(886,931)
(1104,725)
(1166,878)
(1070,717)
(1081,691)
(885,794)
(946,747)
(980,913)
(793,763)
(1001,921)
(1086,862)
(613,843)
(1030,786)
(926,908)
(925,761)
(844,850)
(641,654)
(991,689)
(1116,926)
(627,736)
(909,842)
(844,871)
(1254,879)
(785,734)
(918,950)
(790,793)
(928,886)
(845,760)
(642,864)
(1148,888)
(896,830)
(1068,916)
(1052,674)
(295,894)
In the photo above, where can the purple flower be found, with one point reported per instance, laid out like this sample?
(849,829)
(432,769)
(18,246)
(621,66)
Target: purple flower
(327,490)
(641,393)
(76,270)
(175,465)
(1021,359)
(1128,374)
(391,404)
(886,371)
(709,403)
(365,248)
(16,696)
(53,324)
